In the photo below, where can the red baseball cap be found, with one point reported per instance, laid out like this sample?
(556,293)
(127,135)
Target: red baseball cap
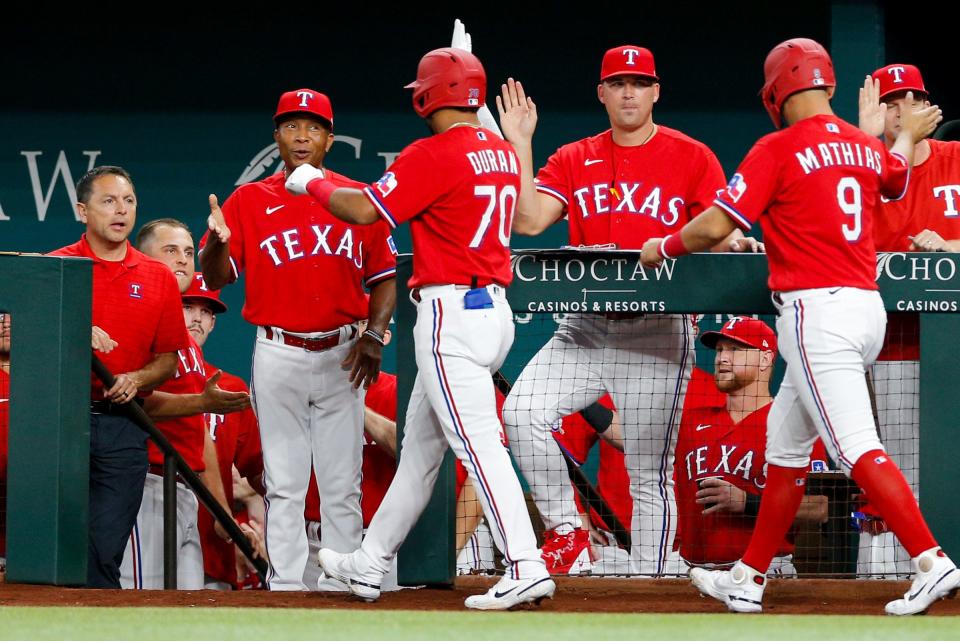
(305,101)
(628,60)
(198,290)
(745,330)
(899,77)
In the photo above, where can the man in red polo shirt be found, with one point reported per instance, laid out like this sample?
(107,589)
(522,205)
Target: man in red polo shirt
(137,330)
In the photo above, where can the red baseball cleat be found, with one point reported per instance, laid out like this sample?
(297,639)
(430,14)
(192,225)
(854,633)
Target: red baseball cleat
(568,553)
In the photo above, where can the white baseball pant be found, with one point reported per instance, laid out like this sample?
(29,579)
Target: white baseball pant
(453,405)
(645,364)
(142,565)
(828,337)
(308,410)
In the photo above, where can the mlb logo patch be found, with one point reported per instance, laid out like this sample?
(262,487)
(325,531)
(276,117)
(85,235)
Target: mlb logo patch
(387,184)
(481,135)
(817,78)
(832,128)
(136,290)
(473,97)
(392,245)
(880,460)
(736,187)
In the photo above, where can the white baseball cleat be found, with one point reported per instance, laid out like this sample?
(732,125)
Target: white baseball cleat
(936,577)
(509,593)
(740,588)
(364,583)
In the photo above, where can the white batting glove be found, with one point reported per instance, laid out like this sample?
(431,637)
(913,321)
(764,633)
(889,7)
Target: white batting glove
(302,176)
(461,39)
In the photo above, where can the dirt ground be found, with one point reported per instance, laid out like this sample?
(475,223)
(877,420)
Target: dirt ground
(808,596)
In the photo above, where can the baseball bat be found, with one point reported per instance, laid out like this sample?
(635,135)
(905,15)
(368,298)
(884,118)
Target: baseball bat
(588,493)
(137,414)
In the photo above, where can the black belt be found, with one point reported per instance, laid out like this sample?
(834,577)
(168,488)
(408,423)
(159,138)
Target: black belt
(111,408)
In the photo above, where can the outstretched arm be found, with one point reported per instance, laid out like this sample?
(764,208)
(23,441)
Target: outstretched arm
(518,119)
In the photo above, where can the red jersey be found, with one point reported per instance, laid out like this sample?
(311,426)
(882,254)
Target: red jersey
(576,437)
(237,440)
(932,202)
(305,269)
(711,445)
(818,181)
(626,195)
(378,466)
(459,191)
(186,432)
(137,302)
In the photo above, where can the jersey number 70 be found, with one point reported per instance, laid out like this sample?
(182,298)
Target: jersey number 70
(507,201)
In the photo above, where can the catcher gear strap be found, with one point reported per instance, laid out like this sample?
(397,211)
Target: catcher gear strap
(448,77)
(792,66)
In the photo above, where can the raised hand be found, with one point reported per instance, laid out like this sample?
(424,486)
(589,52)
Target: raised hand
(215,221)
(873,113)
(921,121)
(518,113)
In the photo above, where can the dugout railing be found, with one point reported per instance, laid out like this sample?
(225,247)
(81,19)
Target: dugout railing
(49,299)
(573,281)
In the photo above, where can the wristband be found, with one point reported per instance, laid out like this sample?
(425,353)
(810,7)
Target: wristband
(598,417)
(321,190)
(375,335)
(751,506)
(672,246)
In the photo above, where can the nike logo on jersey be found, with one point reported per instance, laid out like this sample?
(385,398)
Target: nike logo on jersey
(701,427)
(270,210)
(588,162)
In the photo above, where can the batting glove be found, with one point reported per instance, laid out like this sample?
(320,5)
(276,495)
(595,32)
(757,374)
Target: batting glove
(302,176)
(461,39)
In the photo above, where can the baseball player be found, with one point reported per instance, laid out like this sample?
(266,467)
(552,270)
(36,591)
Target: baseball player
(923,220)
(137,330)
(305,277)
(831,318)
(235,436)
(636,180)
(458,189)
(720,467)
(4,428)
(170,242)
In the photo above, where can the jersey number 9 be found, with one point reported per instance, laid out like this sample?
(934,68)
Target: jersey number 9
(851,203)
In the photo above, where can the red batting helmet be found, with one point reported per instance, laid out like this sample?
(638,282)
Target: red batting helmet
(448,77)
(792,66)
